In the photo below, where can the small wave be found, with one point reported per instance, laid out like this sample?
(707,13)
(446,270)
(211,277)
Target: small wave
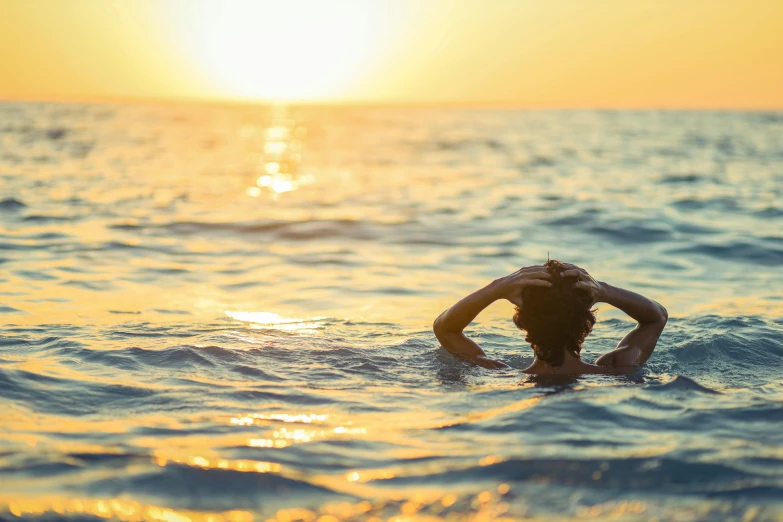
(40,236)
(27,246)
(35,275)
(770,212)
(11,204)
(423,239)
(632,231)
(693,228)
(692,204)
(170,357)
(314,260)
(165,271)
(46,341)
(242,285)
(391,290)
(575,218)
(325,229)
(101,286)
(41,218)
(290,396)
(743,251)
(725,350)
(252,371)
(56,133)
(109,358)
(145,329)
(126,226)
(115,245)
(767,117)
(194,486)
(194,227)
(670,475)
(539,161)
(682,384)
(496,253)
(682,178)
(66,396)
(628,230)
(454,145)
(170,311)
(295,230)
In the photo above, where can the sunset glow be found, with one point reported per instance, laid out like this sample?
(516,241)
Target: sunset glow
(696,54)
(281,50)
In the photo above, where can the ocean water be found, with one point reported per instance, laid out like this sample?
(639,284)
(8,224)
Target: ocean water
(223,313)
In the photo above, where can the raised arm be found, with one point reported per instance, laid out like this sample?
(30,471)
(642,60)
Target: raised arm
(449,325)
(637,346)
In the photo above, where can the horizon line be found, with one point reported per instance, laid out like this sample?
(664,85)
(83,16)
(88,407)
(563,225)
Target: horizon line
(497,105)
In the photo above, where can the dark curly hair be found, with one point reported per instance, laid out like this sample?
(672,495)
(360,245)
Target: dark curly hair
(556,318)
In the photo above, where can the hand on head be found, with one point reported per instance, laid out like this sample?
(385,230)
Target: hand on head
(512,285)
(584,280)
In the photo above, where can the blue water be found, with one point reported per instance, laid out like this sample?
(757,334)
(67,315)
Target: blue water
(223,313)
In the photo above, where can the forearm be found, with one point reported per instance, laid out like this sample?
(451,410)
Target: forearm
(638,307)
(460,315)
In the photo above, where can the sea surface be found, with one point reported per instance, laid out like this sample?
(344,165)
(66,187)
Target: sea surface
(224,313)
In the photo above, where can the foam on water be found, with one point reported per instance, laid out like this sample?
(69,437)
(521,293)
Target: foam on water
(192,333)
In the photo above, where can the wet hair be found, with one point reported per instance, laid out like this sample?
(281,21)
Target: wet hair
(556,318)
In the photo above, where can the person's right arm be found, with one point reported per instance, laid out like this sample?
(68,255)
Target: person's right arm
(637,346)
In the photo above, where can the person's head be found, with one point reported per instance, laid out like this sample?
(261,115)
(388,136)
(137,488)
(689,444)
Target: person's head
(557,318)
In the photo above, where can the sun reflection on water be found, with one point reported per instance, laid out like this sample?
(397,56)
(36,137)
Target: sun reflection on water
(273,321)
(252,418)
(498,504)
(421,506)
(115,508)
(283,437)
(267,443)
(244,465)
(280,161)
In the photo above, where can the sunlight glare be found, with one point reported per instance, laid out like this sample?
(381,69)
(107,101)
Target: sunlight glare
(289,51)
(273,321)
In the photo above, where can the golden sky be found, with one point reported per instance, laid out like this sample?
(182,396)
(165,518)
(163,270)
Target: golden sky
(529,53)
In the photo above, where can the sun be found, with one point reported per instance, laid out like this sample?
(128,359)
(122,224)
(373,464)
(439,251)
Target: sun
(288,50)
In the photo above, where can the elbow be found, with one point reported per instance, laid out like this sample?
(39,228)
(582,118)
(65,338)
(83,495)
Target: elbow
(664,313)
(657,315)
(437,328)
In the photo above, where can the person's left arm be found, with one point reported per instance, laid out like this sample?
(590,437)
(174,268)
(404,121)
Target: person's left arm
(449,325)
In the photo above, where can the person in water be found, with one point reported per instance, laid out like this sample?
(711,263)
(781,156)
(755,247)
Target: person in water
(554,305)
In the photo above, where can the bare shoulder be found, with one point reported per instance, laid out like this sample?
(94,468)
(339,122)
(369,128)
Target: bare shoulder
(621,356)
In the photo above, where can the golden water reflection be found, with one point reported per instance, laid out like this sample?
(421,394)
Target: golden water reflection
(498,504)
(115,508)
(306,418)
(252,466)
(279,165)
(284,437)
(273,321)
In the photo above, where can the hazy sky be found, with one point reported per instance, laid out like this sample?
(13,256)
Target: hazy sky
(538,53)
